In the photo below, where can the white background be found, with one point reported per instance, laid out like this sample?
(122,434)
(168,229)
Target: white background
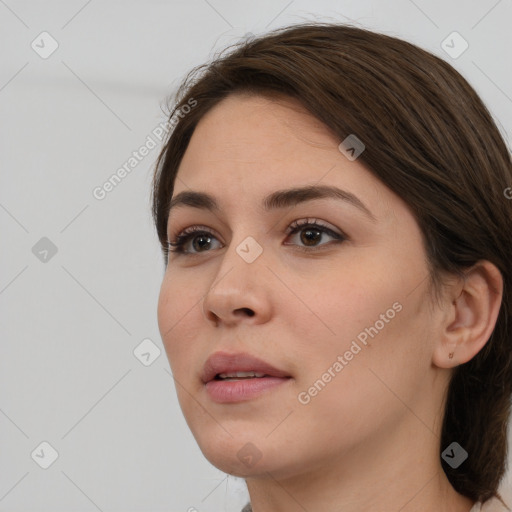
(69,326)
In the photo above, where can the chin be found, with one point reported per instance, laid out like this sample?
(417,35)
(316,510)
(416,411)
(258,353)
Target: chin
(237,455)
(231,462)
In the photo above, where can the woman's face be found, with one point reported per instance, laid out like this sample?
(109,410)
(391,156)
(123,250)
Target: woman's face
(342,308)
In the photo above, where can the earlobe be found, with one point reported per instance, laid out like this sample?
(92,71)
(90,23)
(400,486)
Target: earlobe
(471,314)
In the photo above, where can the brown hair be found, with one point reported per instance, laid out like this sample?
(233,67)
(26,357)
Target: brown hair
(431,140)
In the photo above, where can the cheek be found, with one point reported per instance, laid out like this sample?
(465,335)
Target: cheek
(369,319)
(368,393)
(179,310)
(339,304)
(167,309)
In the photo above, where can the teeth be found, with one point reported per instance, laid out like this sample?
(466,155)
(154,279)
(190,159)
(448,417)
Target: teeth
(240,375)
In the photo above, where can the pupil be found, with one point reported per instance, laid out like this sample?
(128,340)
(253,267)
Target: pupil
(309,237)
(201,245)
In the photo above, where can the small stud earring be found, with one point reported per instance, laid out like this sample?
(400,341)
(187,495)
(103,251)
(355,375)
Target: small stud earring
(450,355)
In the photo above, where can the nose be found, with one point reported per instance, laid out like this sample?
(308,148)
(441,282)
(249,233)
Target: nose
(240,291)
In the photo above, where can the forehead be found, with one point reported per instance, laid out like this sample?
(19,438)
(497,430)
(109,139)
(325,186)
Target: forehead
(248,146)
(250,136)
(253,127)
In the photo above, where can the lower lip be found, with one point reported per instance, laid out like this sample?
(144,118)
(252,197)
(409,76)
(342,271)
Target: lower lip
(239,390)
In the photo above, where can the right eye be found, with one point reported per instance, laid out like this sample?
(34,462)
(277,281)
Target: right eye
(200,233)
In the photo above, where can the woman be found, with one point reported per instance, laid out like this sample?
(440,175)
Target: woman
(336,304)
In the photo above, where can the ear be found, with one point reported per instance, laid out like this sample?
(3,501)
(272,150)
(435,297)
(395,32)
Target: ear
(470,313)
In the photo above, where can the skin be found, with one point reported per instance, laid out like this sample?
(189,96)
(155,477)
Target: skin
(370,440)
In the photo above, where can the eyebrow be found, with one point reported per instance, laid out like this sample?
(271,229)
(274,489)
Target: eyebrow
(277,200)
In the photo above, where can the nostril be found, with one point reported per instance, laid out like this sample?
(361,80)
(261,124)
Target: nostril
(249,312)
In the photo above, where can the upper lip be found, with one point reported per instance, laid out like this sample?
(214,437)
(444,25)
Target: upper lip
(224,362)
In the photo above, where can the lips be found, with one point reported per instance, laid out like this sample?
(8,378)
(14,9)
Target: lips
(225,363)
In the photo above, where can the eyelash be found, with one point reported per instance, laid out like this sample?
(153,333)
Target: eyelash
(295,227)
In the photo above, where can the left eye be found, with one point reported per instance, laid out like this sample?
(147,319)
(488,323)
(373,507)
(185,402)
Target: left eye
(201,237)
(310,232)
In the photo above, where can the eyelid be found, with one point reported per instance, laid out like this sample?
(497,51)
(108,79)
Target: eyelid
(292,225)
(196,227)
(296,224)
